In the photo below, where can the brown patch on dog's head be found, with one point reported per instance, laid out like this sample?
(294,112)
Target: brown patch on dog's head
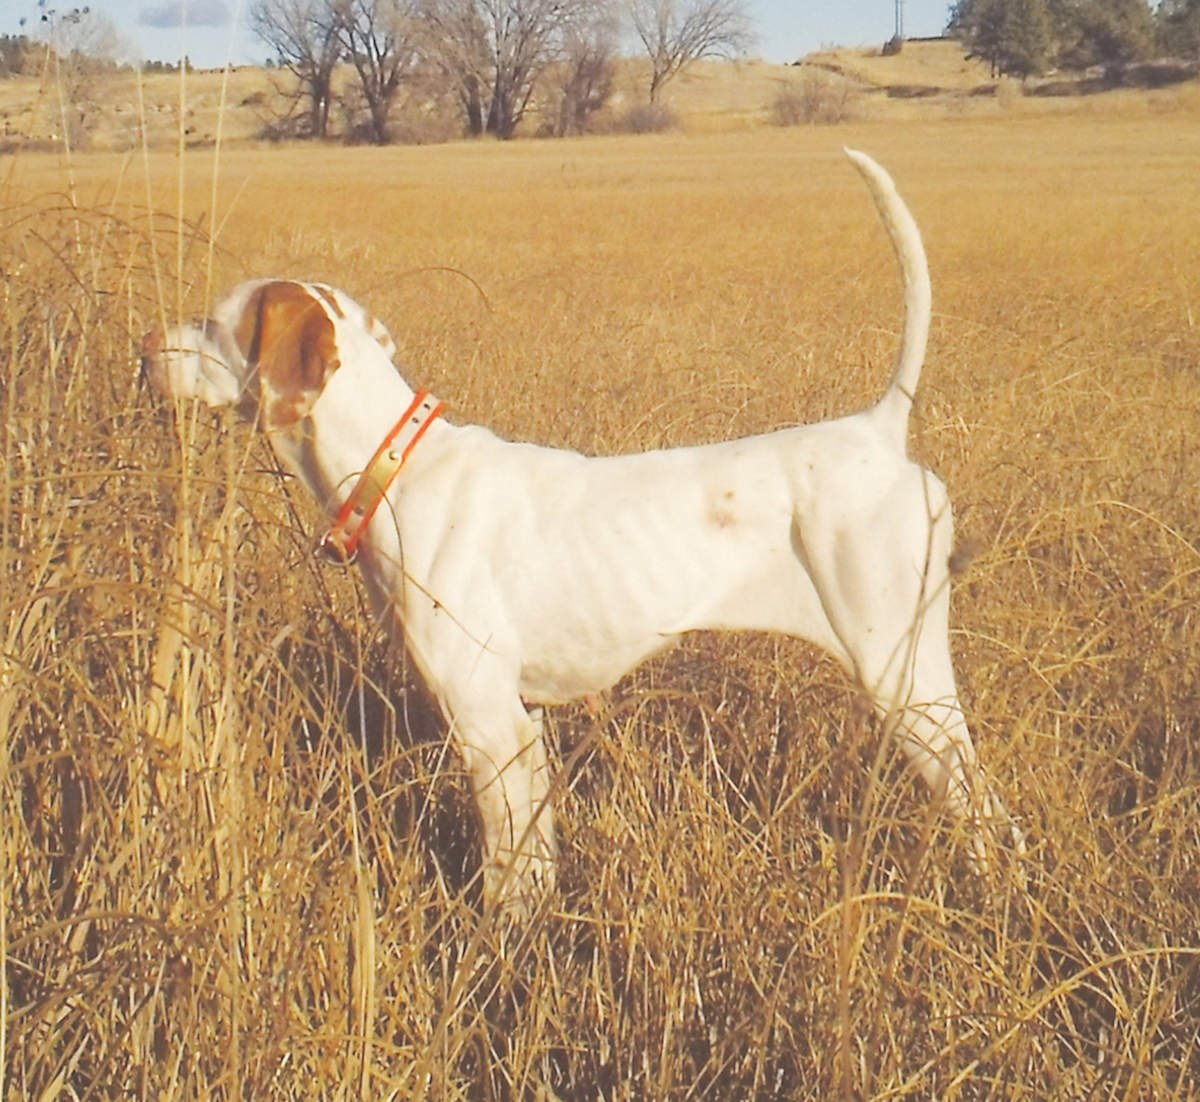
(287,334)
(330,299)
(377,330)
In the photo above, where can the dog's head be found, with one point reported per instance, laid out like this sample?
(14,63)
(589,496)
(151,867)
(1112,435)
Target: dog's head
(270,346)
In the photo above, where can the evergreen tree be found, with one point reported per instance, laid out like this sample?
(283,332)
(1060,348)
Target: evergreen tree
(1024,36)
(1028,38)
(1012,36)
(1179,27)
(1111,33)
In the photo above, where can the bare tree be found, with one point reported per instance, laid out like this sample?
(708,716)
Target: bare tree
(457,41)
(497,50)
(304,37)
(585,75)
(677,32)
(382,42)
(521,40)
(84,48)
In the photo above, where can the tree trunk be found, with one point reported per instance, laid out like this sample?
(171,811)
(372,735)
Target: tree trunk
(379,123)
(318,115)
(500,115)
(472,105)
(655,84)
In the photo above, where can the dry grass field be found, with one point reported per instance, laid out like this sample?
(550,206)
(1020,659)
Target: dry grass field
(237,855)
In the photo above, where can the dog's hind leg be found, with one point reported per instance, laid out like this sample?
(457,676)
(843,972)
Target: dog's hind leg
(882,576)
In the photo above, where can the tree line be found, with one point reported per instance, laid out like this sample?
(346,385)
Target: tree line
(479,66)
(490,59)
(1024,37)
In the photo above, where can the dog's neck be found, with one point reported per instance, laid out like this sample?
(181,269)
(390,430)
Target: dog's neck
(333,445)
(353,520)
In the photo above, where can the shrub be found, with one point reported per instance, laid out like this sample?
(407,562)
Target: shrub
(817,97)
(649,118)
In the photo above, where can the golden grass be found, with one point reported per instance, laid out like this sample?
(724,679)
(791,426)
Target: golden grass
(937,64)
(237,858)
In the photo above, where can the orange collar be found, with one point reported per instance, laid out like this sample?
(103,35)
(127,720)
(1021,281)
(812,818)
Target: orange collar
(340,543)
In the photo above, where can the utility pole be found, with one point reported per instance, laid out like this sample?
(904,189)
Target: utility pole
(899,19)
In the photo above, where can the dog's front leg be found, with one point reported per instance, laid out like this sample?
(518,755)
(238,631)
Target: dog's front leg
(505,757)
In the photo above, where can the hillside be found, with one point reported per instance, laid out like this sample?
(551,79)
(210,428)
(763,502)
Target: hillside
(927,79)
(940,64)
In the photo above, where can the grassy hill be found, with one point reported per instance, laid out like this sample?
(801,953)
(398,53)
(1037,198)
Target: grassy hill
(927,79)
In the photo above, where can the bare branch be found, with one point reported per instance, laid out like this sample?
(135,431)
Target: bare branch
(496,51)
(381,40)
(676,33)
(303,36)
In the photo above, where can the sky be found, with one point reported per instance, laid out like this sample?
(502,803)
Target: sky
(212,32)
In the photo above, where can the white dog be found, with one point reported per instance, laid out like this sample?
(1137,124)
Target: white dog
(519,575)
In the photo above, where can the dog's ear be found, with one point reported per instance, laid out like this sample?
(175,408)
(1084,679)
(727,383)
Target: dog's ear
(286,334)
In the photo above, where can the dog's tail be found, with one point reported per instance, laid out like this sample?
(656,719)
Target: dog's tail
(918,298)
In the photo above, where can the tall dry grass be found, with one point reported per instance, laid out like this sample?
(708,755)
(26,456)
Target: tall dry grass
(237,856)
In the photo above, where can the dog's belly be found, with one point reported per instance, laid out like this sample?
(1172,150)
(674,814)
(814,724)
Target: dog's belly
(589,617)
(585,619)
(577,673)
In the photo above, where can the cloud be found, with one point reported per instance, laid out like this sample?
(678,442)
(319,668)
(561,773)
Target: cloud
(186,13)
